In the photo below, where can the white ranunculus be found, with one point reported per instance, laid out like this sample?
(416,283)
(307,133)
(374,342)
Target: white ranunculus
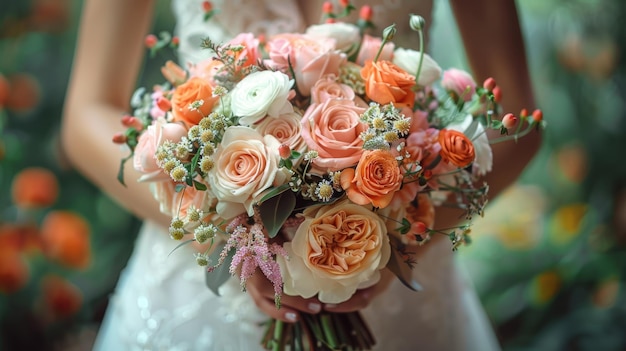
(246,166)
(408,60)
(475,131)
(338,249)
(347,36)
(260,94)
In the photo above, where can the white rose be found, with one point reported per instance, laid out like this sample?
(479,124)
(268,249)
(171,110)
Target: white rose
(408,60)
(338,249)
(346,35)
(260,94)
(475,131)
(246,165)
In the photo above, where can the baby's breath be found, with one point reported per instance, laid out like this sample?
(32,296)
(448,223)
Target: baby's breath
(206,164)
(324,190)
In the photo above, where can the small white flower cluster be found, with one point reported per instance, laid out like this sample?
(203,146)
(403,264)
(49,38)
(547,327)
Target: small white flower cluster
(350,75)
(386,125)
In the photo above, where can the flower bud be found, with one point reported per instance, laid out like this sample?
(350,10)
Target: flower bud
(132,122)
(163,104)
(344,3)
(366,13)
(418,228)
(175,41)
(150,41)
(497,94)
(284,151)
(327,7)
(207,6)
(509,121)
(523,113)
(417,22)
(119,138)
(389,32)
(537,116)
(489,84)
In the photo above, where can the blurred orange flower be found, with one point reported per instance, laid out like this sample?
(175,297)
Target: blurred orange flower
(65,237)
(4,90)
(14,271)
(24,93)
(35,188)
(19,238)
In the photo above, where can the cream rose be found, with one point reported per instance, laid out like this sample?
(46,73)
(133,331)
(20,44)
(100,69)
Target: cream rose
(346,35)
(338,249)
(475,131)
(408,60)
(286,128)
(246,165)
(333,129)
(260,94)
(329,88)
(144,160)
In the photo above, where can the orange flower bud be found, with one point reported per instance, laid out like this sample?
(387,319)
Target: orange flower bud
(509,121)
(456,148)
(327,7)
(284,151)
(150,41)
(35,188)
(164,104)
(119,138)
(132,122)
(344,3)
(65,237)
(489,84)
(207,6)
(497,94)
(523,113)
(366,13)
(537,115)
(175,41)
(418,228)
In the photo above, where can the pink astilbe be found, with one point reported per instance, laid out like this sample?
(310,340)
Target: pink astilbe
(251,251)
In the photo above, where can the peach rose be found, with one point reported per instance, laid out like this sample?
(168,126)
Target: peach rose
(456,148)
(156,134)
(246,165)
(387,83)
(475,131)
(459,82)
(336,250)
(329,88)
(333,129)
(369,48)
(250,53)
(193,90)
(286,128)
(374,181)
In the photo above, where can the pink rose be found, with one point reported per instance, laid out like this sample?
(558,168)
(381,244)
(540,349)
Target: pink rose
(459,82)
(311,58)
(369,48)
(144,160)
(250,53)
(333,129)
(329,88)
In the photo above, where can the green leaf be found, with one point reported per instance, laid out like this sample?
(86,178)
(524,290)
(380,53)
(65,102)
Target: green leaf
(400,268)
(179,245)
(199,186)
(179,187)
(219,275)
(273,192)
(275,211)
(120,172)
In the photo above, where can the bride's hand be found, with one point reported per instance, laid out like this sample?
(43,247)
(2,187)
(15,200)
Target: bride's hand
(363,297)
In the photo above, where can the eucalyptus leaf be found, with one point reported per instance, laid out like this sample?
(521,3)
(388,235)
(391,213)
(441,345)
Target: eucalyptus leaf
(217,277)
(275,211)
(274,191)
(400,268)
(179,245)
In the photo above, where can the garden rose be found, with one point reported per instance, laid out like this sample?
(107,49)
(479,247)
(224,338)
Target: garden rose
(369,48)
(333,129)
(459,82)
(346,35)
(387,83)
(374,181)
(192,90)
(408,60)
(246,165)
(144,160)
(476,133)
(260,94)
(286,129)
(456,148)
(329,88)
(336,250)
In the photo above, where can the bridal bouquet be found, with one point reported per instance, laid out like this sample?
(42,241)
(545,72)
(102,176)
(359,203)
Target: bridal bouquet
(316,159)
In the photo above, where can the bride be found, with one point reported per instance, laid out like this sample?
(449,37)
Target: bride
(161,302)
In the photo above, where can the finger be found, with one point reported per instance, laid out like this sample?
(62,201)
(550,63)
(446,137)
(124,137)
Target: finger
(358,301)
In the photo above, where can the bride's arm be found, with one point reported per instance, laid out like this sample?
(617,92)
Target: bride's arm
(108,56)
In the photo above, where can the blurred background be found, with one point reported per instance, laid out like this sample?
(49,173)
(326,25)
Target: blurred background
(548,260)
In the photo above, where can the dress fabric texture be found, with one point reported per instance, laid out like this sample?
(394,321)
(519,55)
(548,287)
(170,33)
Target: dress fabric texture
(162,303)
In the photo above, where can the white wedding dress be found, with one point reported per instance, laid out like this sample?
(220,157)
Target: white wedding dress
(162,303)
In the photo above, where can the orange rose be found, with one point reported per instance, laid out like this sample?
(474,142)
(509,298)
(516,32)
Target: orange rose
(375,180)
(193,90)
(65,237)
(456,148)
(387,83)
(35,188)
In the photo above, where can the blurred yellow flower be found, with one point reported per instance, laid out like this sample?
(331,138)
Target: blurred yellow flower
(545,286)
(566,221)
(606,293)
